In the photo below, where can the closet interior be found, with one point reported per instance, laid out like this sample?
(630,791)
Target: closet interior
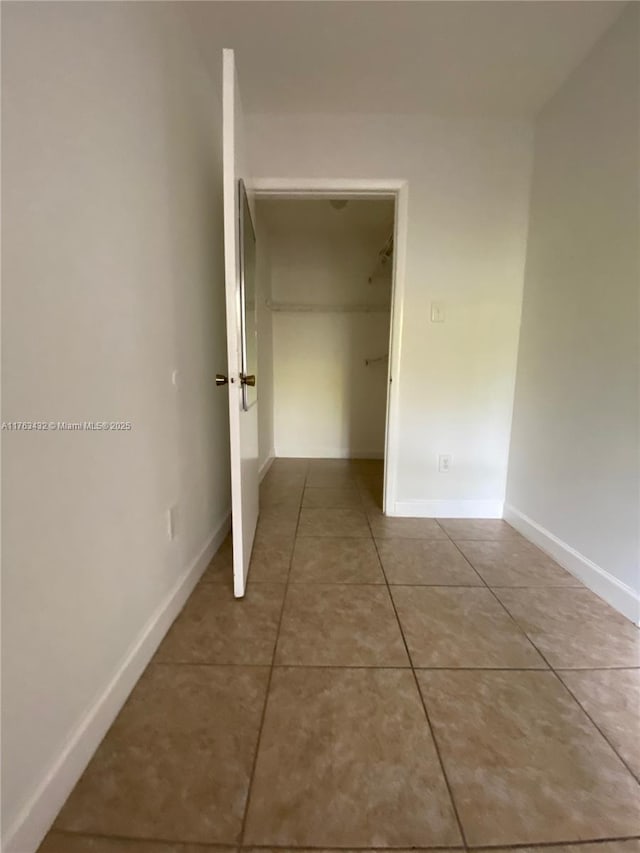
(325,273)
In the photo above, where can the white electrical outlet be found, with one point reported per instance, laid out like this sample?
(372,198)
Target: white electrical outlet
(444,463)
(172,522)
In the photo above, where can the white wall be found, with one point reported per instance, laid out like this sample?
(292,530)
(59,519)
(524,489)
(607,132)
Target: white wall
(327,402)
(112,278)
(468,207)
(264,383)
(574,468)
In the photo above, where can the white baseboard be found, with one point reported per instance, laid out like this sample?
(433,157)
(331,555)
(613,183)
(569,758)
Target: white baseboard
(32,823)
(328,453)
(448,509)
(268,462)
(613,591)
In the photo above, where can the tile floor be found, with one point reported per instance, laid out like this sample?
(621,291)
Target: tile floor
(401,683)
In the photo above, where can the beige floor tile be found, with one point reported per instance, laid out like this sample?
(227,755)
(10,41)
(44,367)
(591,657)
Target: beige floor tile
(65,842)
(330,479)
(478,528)
(611,697)
(372,483)
(289,463)
(524,762)
(214,627)
(384,527)
(573,628)
(346,759)
(371,498)
(272,531)
(176,763)
(367,466)
(279,514)
(461,627)
(288,474)
(372,501)
(271,562)
(277,482)
(372,509)
(431,562)
(338,498)
(339,625)
(333,523)
(328,464)
(329,560)
(220,569)
(330,473)
(514,562)
(277,495)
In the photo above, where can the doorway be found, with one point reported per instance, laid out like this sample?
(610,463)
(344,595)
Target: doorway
(331,267)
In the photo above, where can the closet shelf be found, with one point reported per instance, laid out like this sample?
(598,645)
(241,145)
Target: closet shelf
(298,307)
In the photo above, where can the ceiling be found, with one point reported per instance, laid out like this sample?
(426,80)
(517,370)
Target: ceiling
(371,217)
(504,58)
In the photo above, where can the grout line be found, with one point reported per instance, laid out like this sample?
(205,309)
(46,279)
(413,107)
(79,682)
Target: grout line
(421,698)
(350,848)
(417,667)
(481,585)
(557,676)
(220,845)
(272,666)
(143,839)
(486,586)
(536,586)
(636,776)
(502,539)
(382,584)
(528,845)
(391,583)
(443,585)
(243,826)
(213,665)
(592,668)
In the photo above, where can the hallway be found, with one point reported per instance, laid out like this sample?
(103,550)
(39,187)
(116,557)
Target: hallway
(427,684)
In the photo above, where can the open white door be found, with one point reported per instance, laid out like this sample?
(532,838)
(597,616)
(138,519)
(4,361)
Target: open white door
(239,258)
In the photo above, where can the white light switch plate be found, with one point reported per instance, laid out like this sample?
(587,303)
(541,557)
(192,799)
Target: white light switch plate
(437,312)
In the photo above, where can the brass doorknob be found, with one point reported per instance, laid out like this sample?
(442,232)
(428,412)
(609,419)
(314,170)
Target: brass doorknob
(221,379)
(248,379)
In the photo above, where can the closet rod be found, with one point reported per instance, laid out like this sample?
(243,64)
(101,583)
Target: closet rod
(369,361)
(295,307)
(384,256)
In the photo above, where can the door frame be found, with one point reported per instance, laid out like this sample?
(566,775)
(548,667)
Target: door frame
(359,188)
